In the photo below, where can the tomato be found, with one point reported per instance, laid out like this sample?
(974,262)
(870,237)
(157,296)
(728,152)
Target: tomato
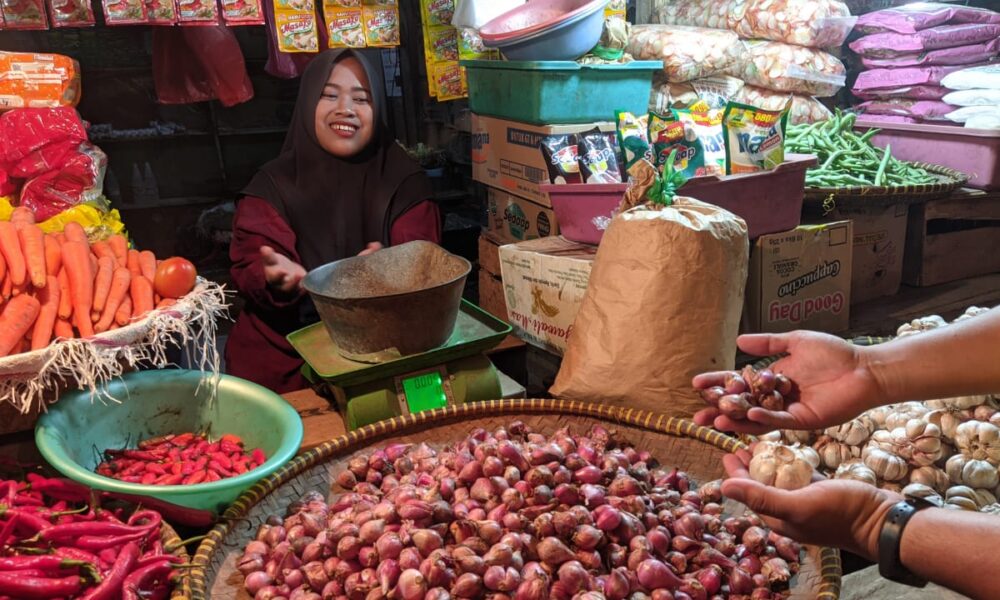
(174,277)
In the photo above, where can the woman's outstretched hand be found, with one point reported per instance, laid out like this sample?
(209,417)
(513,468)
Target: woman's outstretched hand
(833,384)
(280,272)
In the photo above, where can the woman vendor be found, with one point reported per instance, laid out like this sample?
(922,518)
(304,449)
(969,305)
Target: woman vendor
(342,186)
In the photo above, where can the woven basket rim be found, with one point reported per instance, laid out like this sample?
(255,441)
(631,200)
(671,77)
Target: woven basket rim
(917,193)
(169,537)
(830,566)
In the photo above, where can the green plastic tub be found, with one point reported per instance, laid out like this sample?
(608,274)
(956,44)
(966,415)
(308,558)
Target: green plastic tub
(558,92)
(152,403)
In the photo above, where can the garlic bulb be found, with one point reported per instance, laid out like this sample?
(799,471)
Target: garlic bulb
(887,465)
(798,437)
(992,509)
(980,441)
(780,466)
(775,437)
(985,498)
(918,490)
(960,403)
(920,325)
(948,420)
(808,454)
(853,433)
(879,415)
(985,412)
(919,442)
(904,412)
(971,313)
(963,497)
(931,477)
(833,453)
(882,440)
(963,470)
(856,470)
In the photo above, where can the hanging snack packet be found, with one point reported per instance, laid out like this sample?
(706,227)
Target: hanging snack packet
(381,26)
(295,24)
(704,125)
(24,14)
(598,161)
(73,13)
(345,25)
(197,12)
(124,12)
(633,138)
(755,138)
(562,154)
(450,82)
(240,12)
(437,12)
(442,43)
(667,137)
(161,12)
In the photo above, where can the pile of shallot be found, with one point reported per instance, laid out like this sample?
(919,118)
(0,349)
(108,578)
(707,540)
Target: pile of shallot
(743,390)
(516,515)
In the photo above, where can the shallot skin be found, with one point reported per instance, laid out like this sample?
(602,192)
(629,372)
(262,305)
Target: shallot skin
(515,515)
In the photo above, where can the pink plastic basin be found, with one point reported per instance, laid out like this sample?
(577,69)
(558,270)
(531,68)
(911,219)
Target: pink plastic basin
(769,202)
(972,151)
(533,17)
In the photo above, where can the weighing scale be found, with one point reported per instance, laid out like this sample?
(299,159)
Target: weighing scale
(455,373)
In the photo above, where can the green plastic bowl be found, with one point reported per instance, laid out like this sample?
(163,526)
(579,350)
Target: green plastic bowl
(76,429)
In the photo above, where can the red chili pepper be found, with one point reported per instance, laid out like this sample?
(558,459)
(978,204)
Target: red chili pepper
(71,531)
(47,562)
(111,586)
(212,476)
(144,578)
(183,515)
(28,500)
(170,480)
(156,468)
(176,468)
(223,460)
(29,588)
(152,519)
(149,559)
(183,439)
(26,522)
(258,457)
(187,468)
(174,454)
(196,477)
(71,553)
(201,463)
(156,441)
(230,449)
(148,479)
(240,468)
(59,489)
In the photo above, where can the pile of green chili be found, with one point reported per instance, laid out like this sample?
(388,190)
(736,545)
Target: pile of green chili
(847,159)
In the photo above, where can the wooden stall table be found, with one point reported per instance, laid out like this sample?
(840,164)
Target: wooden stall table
(321,422)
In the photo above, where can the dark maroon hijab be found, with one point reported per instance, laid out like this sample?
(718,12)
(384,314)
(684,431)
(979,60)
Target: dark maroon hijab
(337,206)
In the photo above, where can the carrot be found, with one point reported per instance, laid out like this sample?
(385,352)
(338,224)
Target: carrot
(24,288)
(33,248)
(3,266)
(102,249)
(17,318)
(102,285)
(76,258)
(65,298)
(147,263)
(22,216)
(142,296)
(123,316)
(166,303)
(74,232)
(93,265)
(10,245)
(64,329)
(133,262)
(53,255)
(49,297)
(119,245)
(6,287)
(61,238)
(118,292)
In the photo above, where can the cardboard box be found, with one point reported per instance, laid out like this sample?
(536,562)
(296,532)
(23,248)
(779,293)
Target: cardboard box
(505,154)
(491,297)
(879,243)
(512,219)
(800,279)
(544,283)
(489,253)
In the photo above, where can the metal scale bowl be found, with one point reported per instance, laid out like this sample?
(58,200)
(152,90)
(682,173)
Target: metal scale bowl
(396,337)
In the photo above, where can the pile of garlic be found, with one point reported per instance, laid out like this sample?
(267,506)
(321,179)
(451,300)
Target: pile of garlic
(946,450)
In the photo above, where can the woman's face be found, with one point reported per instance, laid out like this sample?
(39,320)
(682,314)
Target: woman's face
(344,115)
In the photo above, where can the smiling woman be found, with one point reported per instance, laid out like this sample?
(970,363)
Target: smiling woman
(341,186)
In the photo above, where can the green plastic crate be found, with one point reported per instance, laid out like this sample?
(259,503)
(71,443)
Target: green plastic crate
(558,92)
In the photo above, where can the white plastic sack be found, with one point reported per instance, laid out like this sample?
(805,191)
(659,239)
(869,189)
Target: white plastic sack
(984,77)
(973,98)
(473,14)
(973,112)
(984,122)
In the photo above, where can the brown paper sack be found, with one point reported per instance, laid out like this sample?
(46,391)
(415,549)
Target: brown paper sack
(663,304)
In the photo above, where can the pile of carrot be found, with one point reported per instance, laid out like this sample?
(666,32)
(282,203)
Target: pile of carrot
(62,286)
(184,459)
(57,541)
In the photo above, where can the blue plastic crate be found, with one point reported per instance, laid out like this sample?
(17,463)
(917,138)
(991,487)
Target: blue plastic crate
(558,92)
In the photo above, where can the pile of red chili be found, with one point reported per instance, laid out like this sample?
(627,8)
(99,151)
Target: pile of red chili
(53,544)
(184,459)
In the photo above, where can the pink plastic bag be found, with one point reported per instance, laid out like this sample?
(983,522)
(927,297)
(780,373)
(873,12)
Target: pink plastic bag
(870,118)
(888,45)
(24,131)
(913,92)
(887,79)
(961,55)
(197,64)
(79,179)
(928,110)
(922,15)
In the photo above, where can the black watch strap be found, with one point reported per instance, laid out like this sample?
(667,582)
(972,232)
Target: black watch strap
(889,564)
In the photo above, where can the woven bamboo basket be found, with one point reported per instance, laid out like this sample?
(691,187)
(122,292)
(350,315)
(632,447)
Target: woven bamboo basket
(170,539)
(674,442)
(948,180)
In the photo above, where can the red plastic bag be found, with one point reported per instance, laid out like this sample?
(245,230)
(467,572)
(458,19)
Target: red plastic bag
(79,179)
(197,64)
(23,131)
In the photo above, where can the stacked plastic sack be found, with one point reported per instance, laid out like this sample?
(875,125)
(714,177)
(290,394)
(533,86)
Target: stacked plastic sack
(976,94)
(908,53)
(775,47)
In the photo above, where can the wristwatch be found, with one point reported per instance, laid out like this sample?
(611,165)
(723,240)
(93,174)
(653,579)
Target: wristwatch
(889,564)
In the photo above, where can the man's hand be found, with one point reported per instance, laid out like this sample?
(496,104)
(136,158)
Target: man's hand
(371,248)
(280,272)
(838,513)
(833,384)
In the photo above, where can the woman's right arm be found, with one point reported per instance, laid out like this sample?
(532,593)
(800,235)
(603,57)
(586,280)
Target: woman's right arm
(258,225)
